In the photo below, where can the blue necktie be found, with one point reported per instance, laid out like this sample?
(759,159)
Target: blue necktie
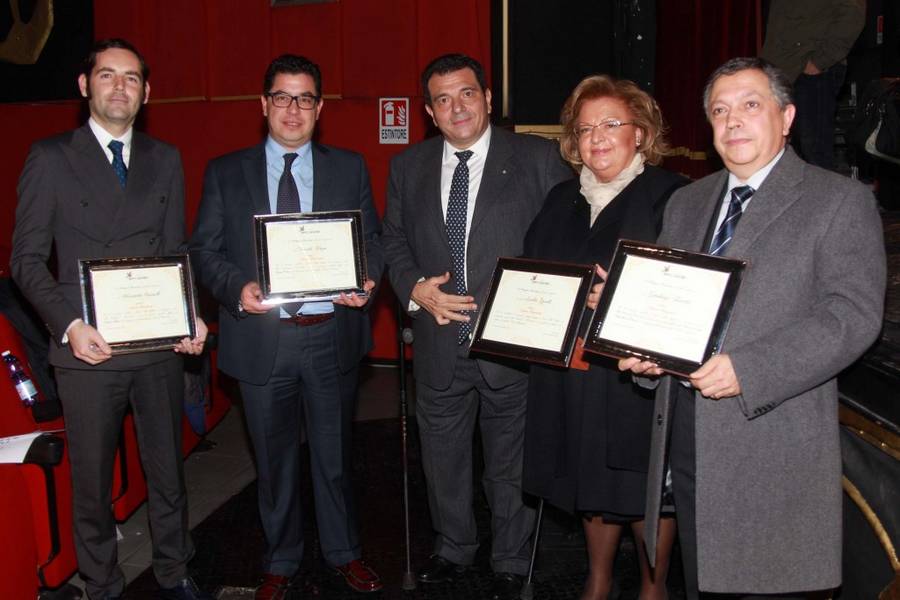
(288,195)
(118,162)
(723,236)
(457,208)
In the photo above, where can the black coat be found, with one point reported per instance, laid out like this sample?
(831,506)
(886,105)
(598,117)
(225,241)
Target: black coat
(587,436)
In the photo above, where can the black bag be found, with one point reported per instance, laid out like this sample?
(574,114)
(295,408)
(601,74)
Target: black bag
(876,128)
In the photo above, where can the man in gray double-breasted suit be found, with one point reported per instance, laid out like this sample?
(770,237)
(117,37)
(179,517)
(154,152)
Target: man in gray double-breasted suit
(105,190)
(490,184)
(754,453)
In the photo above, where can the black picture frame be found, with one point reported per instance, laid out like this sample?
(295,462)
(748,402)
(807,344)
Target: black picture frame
(132,269)
(571,308)
(717,323)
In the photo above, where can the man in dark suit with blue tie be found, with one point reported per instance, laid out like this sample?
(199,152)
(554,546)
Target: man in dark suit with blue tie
(455,204)
(103,191)
(293,364)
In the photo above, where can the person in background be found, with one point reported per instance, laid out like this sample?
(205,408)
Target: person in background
(809,40)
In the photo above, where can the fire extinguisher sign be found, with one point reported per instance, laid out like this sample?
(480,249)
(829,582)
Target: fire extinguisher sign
(393,120)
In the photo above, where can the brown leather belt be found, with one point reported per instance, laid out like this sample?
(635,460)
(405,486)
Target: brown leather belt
(306,320)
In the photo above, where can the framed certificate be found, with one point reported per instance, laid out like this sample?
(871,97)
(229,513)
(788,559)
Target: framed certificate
(533,310)
(139,304)
(664,305)
(309,256)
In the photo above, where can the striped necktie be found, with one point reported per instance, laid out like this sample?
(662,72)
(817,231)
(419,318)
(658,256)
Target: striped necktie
(723,236)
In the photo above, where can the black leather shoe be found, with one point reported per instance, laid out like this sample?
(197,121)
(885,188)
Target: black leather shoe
(186,589)
(506,586)
(438,569)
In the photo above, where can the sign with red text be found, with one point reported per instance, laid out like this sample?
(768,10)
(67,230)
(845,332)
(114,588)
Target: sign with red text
(393,120)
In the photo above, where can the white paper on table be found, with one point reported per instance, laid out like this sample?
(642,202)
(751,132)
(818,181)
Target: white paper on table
(14,448)
(310,255)
(142,303)
(665,307)
(531,309)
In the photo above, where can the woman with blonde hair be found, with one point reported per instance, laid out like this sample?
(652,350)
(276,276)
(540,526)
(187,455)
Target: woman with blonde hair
(587,435)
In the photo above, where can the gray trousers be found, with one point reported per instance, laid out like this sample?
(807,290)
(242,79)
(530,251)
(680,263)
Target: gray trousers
(446,421)
(94,402)
(306,386)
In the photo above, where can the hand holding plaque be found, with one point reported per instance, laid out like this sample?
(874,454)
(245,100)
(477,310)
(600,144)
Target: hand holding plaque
(663,305)
(138,304)
(309,256)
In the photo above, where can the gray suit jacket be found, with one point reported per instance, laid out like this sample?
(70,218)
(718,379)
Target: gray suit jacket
(70,198)
(768,462)
(519,172)
(223,254)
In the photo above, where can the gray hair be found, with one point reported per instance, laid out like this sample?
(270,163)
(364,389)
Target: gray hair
(778,82)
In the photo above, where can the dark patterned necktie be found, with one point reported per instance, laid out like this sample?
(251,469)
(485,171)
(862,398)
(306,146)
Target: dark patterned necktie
(118,162)
(288,194)
(723,236)
(457,208)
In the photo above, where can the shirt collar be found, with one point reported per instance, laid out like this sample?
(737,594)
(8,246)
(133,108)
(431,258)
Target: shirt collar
(275,152)
(105,137)
(479,148)
(757,178)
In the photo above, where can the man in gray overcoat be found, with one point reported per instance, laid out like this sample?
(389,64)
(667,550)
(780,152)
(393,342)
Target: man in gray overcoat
(754,450)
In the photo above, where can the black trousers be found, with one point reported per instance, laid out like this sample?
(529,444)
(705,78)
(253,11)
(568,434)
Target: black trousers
(94,403)
(447,421)
(306,387)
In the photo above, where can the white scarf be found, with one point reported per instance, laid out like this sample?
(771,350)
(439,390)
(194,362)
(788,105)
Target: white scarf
(599,194)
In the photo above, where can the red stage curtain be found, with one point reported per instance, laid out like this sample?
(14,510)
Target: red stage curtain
(693,38)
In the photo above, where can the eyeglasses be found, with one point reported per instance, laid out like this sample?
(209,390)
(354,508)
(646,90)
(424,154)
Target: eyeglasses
(304,101)
(608,126)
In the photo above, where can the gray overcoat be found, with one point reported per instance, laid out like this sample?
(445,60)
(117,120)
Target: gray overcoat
(768,462)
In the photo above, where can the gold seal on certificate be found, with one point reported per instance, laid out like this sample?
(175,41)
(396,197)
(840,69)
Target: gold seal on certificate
(664,305)
(533,310)
(139,304)
(303,257)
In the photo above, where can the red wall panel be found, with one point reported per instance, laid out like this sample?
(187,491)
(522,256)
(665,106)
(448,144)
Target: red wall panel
(380,48)
(238,46)
(207,61)
(313,31)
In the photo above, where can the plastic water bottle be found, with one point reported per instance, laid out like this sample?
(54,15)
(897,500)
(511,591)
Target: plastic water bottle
(24,386)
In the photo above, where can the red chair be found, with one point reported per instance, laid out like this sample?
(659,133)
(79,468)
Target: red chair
(19,555)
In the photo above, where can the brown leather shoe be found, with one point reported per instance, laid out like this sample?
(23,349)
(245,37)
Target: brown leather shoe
(273,587)
(359,576)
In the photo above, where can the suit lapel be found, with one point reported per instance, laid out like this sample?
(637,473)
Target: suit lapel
(254,166)
(323,179)
(430,188)
(497,171)
(778,192)
(93,171)
(706,213)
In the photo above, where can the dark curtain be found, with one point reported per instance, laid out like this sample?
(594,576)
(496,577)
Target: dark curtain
(693,38)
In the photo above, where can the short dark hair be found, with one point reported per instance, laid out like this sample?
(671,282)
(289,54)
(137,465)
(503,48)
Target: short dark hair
(449,63)
(294,65)
(90,60)
(778,82)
